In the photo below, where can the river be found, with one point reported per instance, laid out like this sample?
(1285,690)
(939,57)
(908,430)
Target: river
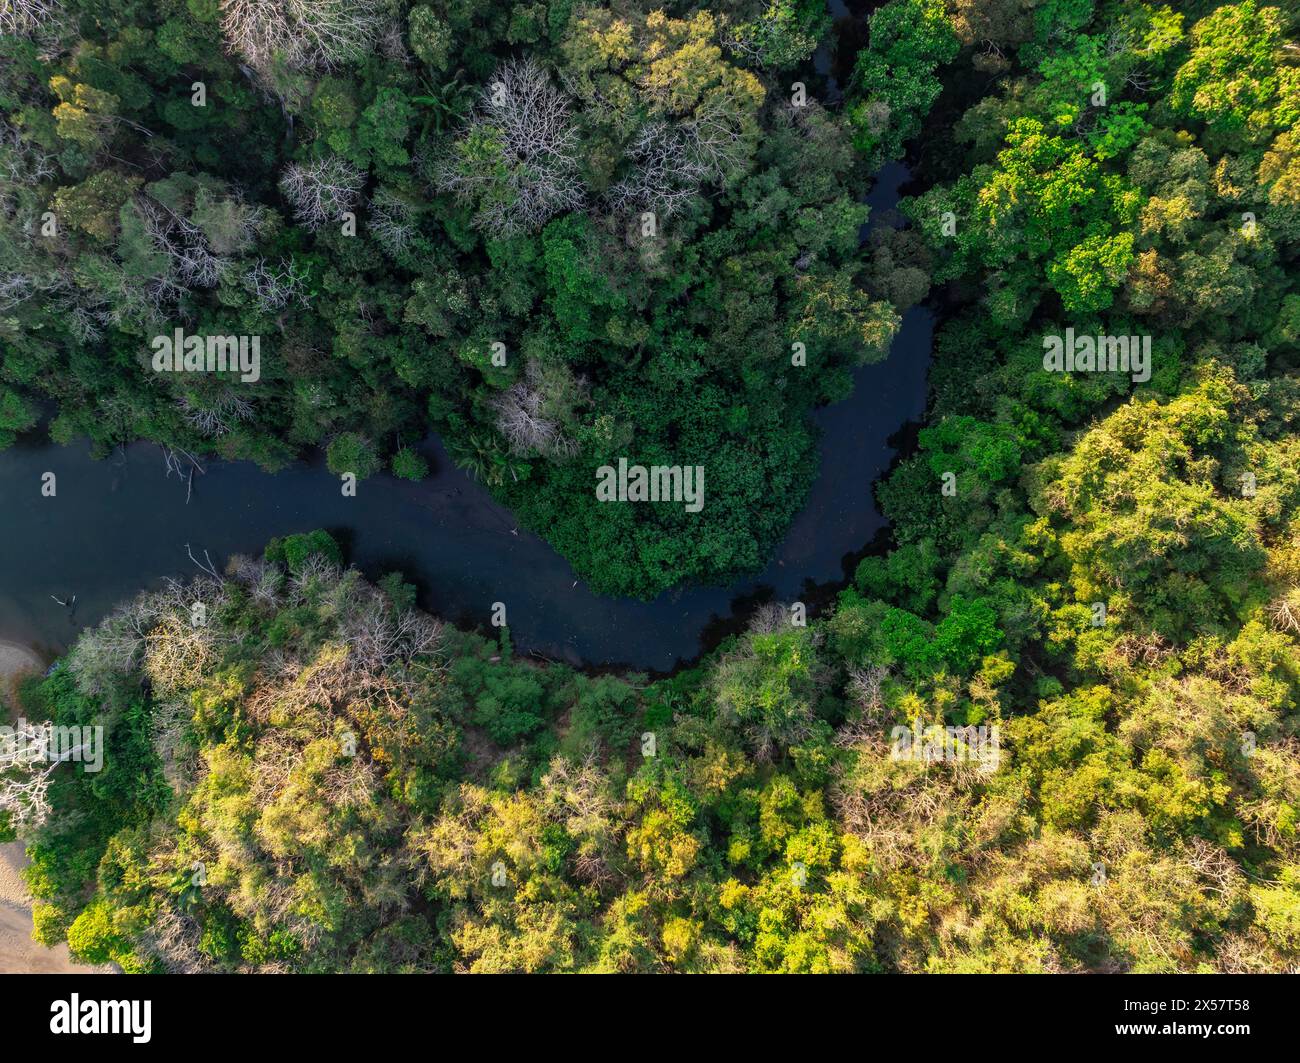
(118,525)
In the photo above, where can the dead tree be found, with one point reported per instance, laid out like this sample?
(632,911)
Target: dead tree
(214,418)
(276,287)
(191,261)
(522,418)
(28,757)
(528,119)
(303,34)
(392,221)
(24,18)
(321,191)
(665,174)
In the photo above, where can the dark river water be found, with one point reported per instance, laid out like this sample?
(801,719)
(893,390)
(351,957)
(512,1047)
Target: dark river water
(118,525)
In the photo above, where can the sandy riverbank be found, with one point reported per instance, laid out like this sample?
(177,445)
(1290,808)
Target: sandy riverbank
(19,954)
(15,662)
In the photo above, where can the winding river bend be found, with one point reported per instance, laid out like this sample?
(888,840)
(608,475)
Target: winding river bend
(119,525)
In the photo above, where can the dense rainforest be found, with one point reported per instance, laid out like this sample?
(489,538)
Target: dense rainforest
(557,234)
(1095,564)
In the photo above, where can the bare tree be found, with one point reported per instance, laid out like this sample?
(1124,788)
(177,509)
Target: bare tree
(16,288)
(770,617)
(378,637)
(392,221)
(155,621)
(275,288)
(21,162)
(666,172)
(529,120)
(24,18)
(104,653)
(191,260)
(263,581)
(1285,611)
(174,937)
(392,43)
(322,190)
(217,417)
(302,34)
(522,418)
(672,161)
(28,757)
(864,688)
(84,324)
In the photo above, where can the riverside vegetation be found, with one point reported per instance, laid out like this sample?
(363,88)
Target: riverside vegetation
(323,778)
(558,234)
(1107,571)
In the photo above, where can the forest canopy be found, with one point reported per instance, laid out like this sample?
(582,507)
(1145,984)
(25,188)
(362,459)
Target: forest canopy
(1050,726)
(324,778)
(555,234)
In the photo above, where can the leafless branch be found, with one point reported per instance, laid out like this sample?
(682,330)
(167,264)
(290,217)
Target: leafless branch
(530,119)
